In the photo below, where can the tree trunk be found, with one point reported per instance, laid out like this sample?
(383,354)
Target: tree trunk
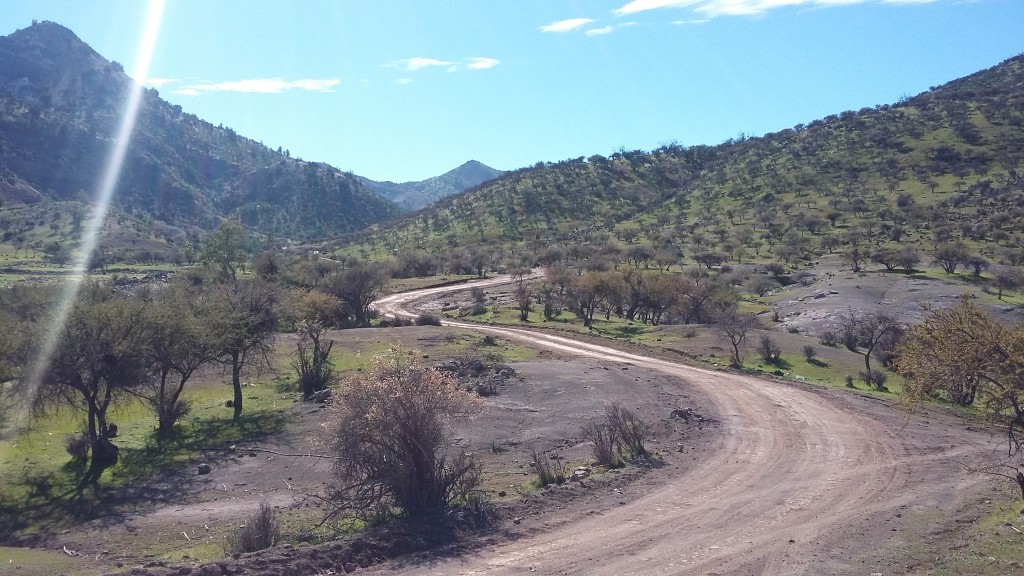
(236,383)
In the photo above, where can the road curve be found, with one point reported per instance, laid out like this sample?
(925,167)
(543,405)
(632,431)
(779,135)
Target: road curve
(804,483)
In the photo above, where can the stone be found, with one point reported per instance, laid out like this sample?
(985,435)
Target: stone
(350,567)
(204,468)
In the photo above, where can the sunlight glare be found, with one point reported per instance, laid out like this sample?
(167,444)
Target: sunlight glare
(105,191)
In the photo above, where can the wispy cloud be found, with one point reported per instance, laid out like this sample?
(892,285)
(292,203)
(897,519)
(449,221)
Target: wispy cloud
(419,63)
(600,31)
(481,63)
(260,86)
(161,82)
(404,81)
(713,8)
(566,25)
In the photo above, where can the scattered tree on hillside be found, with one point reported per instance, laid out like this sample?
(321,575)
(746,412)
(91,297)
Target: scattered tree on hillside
(98,358)
(1005,278)
(950,256)
(871,330)
(312,364)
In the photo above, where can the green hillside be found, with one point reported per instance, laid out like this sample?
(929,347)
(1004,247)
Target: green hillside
(60,105)
(940,167)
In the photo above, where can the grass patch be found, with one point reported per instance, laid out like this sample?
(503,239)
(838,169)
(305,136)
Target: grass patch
(993,548)
(41,495)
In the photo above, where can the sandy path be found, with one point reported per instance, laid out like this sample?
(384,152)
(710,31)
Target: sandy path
(805,483)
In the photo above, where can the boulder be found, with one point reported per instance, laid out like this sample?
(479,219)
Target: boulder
(204,468)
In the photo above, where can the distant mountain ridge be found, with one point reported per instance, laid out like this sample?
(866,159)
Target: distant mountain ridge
(60,104)
(415,195)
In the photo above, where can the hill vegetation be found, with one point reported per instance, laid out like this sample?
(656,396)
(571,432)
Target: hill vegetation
(941,168)
(60,104)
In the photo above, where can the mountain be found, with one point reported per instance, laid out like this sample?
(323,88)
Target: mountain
(60,105)
(415,195)
(943,167)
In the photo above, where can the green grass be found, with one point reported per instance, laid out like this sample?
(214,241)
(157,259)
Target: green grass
(993,548)
(406,284)
(20,560)
(42,496)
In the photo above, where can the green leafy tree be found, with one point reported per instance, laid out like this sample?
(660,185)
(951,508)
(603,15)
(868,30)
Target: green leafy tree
(180,344)
(225,249)
(357,287)
(242,319)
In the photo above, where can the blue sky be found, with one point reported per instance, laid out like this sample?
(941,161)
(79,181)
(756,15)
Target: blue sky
(404,90)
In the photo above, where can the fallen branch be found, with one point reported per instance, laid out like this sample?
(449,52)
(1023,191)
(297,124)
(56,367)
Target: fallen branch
(266,451)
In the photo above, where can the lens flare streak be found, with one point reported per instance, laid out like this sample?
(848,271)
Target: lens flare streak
(101,204)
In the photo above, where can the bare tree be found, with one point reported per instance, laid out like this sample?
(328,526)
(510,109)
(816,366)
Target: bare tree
(1005,278)
(734,327)
(869,330)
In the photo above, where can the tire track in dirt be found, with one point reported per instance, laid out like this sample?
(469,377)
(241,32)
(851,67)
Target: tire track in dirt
(805,482)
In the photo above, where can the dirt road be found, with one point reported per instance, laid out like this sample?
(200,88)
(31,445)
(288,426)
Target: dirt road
(808,481)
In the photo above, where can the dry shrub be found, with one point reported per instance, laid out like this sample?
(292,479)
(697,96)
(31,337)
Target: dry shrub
(550,470)
(260,531)
(629,429)
(393,440)
(603,438)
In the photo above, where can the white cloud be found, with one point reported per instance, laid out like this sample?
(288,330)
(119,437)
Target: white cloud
(713,8)
(404,81)
(600,31)
(260,86)
(645,5)
(418,63)
(475,63)
(160,82)
(481,63)
(566,25)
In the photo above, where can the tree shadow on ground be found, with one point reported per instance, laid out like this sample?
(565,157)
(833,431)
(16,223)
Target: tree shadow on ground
(146,476)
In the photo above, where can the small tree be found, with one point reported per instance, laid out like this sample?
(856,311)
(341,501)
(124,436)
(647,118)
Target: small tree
(179,345)
(312,363)
(963,354)
(242,323)
(225,249)
(357,287)
(768,349)
(1005,278)
(393,439)
(734,327)
(949,256)
(810,353)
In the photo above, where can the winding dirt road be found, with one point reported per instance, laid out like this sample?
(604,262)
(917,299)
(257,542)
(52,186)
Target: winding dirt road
(806,481)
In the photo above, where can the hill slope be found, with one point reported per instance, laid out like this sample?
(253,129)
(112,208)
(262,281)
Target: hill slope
(943,166)
(415,195)
(59,109)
